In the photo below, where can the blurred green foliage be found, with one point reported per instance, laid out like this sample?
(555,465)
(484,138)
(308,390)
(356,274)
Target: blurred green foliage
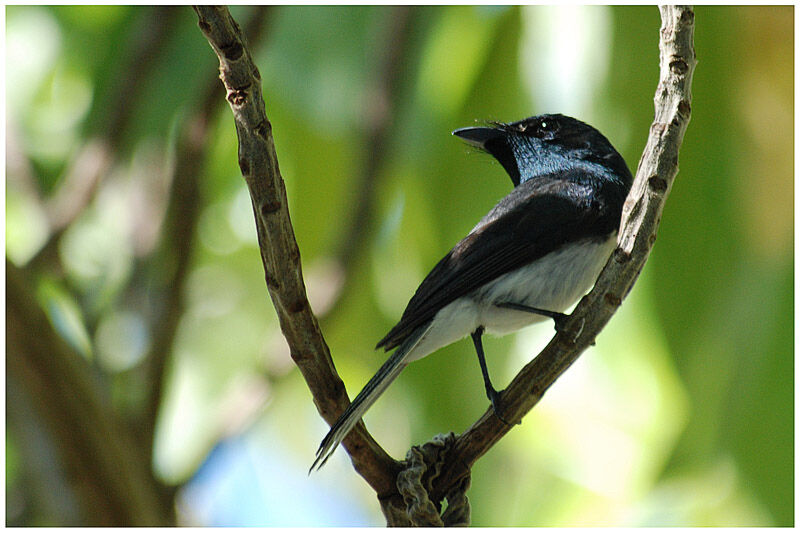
(682,414)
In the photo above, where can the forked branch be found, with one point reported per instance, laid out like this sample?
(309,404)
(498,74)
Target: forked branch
(280,255)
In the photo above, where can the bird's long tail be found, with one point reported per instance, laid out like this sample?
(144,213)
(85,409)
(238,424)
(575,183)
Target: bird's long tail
(374,388)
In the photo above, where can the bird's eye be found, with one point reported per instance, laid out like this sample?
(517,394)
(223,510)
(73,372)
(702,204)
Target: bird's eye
(546,128)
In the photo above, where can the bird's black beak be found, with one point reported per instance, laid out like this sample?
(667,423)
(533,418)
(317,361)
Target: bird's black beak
(494,141)
(478,136)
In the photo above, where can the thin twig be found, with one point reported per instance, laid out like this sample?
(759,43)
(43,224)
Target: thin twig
(279,252)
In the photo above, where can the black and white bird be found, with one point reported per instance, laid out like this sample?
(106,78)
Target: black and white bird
(531,257)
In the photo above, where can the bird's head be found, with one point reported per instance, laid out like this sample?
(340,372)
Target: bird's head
(546,144)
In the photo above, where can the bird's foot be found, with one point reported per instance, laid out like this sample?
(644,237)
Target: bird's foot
(497,406)
(559,321)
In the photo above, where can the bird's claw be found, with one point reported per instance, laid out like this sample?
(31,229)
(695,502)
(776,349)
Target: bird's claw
(497,407)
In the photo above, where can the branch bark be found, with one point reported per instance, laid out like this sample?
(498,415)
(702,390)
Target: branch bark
(280,255)
(279,252)
(641,215)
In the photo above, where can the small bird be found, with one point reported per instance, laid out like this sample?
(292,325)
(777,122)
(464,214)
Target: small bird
(532,256)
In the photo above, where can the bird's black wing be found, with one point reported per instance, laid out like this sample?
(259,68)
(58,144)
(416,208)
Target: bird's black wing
(534,219)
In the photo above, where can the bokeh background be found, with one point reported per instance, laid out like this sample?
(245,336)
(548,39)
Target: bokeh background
(147,379)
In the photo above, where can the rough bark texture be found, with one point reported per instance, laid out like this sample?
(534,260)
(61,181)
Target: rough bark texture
(279,252)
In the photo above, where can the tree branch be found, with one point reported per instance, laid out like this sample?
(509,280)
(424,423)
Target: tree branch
(640,218)
(279,252)
(281,258)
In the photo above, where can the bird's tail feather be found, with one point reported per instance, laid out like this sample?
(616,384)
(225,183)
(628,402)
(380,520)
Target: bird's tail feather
(371,391)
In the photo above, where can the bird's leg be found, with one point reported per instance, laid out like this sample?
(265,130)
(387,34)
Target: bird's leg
(558,318)
(491,393)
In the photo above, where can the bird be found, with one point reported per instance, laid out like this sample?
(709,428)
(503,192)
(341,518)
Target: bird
(533,255)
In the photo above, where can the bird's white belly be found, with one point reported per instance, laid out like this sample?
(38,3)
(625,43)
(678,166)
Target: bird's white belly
(553,283)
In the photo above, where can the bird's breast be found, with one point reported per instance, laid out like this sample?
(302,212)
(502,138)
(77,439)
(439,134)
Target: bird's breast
(553,282)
